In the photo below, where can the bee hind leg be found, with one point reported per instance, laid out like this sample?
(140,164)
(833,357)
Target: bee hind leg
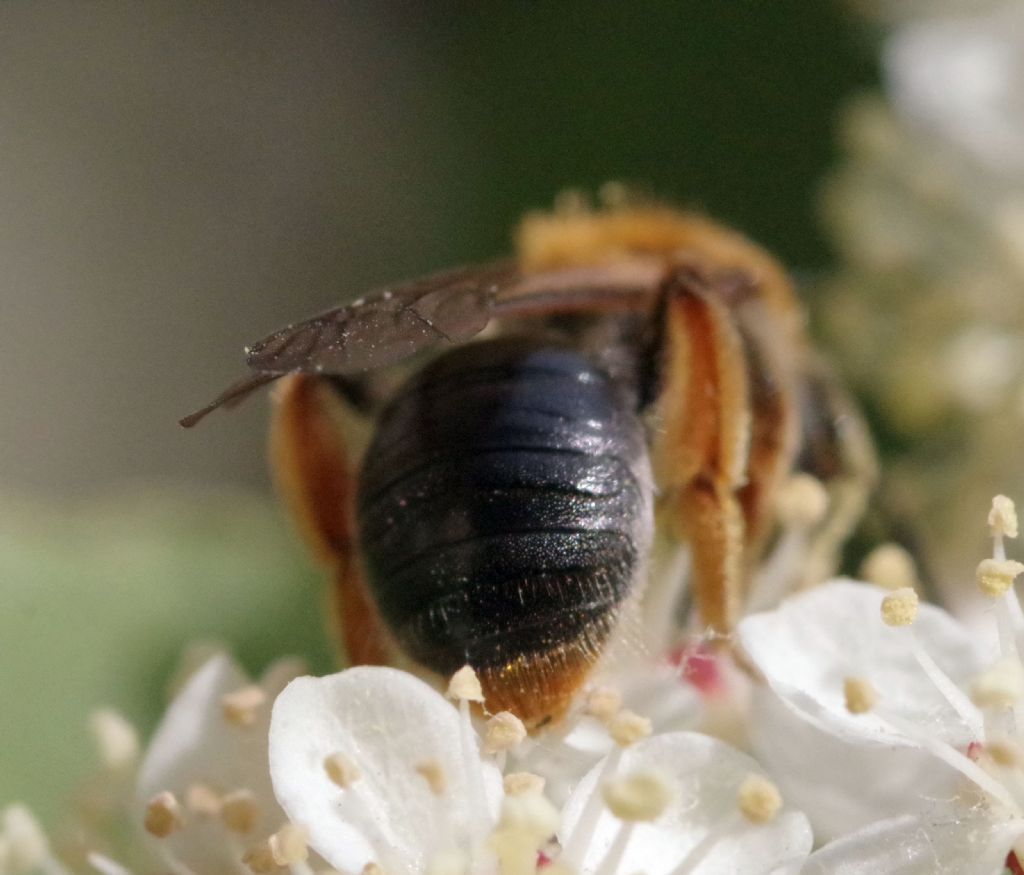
(313,473)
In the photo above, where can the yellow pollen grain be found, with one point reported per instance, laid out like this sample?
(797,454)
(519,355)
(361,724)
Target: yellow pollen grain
(996,576)
(899,608)
(628,728)
(239,811)
(1002,518)
(890,566)
(758,799)
(202,799)
(163,815)
(341,770)
(802,501)
(643,796)
(523,783)
(860,696)
(999,686)
(465,686)
(242,706)
(289,845)
(504,731)
(603,703)
(434,775)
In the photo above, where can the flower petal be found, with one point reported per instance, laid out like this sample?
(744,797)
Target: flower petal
(944,843)
(812,643)
(841,786)
(387,724)
(195,744)
(702,826)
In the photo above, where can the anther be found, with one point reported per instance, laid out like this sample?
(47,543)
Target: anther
(341,770)
(1002,518)
(603,703)
(522,783)
(163,815)
(239,811)
(372,869)
(999,686)
(504,731)
(115,739)
(899,608)
(643,796)
(996,576)
(802,501)
(465,686)
(859,694)
(289,845)
(890,566)
(202,799)
(242,706)
(434,775)
(628,728)
(759,799)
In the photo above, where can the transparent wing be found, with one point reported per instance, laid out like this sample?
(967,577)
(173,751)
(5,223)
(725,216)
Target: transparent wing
(392,324)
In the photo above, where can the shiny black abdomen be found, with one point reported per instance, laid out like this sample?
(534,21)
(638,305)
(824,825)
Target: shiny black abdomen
(504,505)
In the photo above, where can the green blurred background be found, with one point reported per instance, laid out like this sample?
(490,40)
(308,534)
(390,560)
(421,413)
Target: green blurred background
(178,179)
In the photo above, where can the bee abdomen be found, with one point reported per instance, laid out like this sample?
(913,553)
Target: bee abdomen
(504,506)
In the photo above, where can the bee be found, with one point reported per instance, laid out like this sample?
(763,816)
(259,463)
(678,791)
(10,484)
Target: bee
(633,371)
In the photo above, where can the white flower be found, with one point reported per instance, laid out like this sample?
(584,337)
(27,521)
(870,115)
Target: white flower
(204,784)
(416,794)
(923,716)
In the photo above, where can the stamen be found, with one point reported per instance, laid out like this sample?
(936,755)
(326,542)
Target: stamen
(434,775)
(289,845)
(575,844)
(943,751)
(242,706)
(464,686)
(899,608)
(372,869)
(642,796)
(759,799)
(950,691)
(100,862)
(628,728)
(341,770)
(522,783)
(1000,686)
(802,502)
(115,739)
(203,800)
(163,815)
(526,824)
(891,567)
(504,731)
(603,703)
(1002,518)
(239,811)
(996,576)
(860,695)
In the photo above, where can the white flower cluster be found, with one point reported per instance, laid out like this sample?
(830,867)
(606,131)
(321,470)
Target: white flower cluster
(927,212)
(885,738)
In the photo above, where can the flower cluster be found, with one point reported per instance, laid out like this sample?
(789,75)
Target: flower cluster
(927,212)
(881,735)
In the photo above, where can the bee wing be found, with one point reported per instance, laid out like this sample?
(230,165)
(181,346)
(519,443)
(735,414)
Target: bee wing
(390,325)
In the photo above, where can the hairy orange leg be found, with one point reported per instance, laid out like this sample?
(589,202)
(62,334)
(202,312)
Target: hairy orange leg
(313,473)
(701,452)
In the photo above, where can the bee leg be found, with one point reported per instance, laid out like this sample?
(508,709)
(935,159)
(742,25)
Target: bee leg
(700,452)
(314,476)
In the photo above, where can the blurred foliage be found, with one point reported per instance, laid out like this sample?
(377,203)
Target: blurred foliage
(100,599)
